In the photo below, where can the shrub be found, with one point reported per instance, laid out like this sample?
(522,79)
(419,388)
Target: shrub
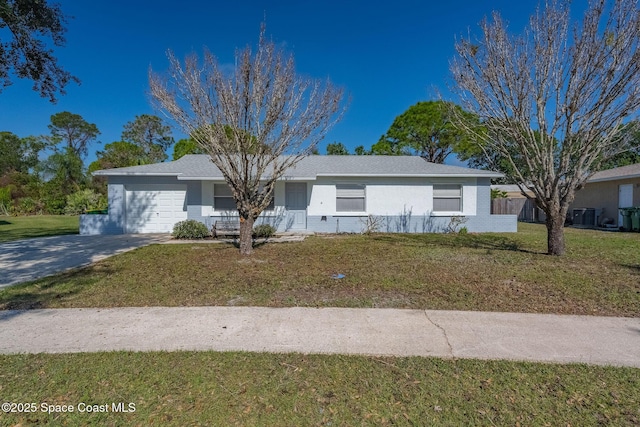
(498,194)
(264,230)
(6,201)
(28,206)
(371,224)
(190,229)
(83,200)
(54,203)
(454,223)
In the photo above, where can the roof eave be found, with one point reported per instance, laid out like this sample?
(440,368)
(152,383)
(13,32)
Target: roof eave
(122,173)
(467,175)
(415,175)
(200,178)
(614,178)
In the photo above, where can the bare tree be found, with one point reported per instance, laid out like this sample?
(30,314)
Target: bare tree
(255,122)
(552,100)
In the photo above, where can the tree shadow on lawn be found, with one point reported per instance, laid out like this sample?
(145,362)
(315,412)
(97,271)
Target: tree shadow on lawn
(30,233)
(256,242)
(633,267)
(45,292)
(472,241)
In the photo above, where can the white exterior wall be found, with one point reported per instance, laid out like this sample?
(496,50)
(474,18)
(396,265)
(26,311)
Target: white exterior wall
(384,196)
(207,198)
(391,196)
(406,204)
(392,199)
(321,197)
(116,200)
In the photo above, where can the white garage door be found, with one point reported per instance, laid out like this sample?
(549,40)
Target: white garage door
(154,208)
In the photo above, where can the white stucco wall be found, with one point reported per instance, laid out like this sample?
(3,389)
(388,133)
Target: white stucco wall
(384,196)
(116,200)
(207,198)
(387,196)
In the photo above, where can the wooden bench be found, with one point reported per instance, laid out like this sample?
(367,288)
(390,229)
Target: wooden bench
(226,228)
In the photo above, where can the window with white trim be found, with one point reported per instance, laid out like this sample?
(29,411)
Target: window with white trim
(350,198)
(447,197)
(223,199)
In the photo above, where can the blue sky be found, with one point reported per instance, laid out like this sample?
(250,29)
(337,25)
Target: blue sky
(386,55)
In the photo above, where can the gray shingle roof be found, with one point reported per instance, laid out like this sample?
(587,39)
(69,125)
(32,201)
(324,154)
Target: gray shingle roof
(199,166)
(623,172)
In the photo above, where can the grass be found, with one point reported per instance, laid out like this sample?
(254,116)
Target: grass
(205,388)
(26,227)
(600,275)
(500,272)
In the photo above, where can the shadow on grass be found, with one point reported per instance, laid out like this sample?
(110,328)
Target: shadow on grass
(256,243)
(3,222)
(633,267)
(490,242)
(473,241)
(49,291)
(30,233)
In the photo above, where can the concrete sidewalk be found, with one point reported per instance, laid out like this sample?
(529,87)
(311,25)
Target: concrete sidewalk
(449,334)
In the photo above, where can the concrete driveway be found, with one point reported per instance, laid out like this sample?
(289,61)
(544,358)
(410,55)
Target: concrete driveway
(30,259)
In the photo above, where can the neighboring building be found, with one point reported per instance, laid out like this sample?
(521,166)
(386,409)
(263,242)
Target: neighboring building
(321,194)
(608,190)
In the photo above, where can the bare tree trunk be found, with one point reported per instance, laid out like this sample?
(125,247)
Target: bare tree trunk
(555,233)
(246,235)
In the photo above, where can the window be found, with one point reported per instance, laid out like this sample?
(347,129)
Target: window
(447,197)
(223,199)
(350,198)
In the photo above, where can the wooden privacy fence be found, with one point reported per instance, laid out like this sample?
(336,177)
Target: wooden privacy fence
(526,209)
(507,206)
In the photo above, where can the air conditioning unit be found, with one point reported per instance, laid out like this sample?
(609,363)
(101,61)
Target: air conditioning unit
(585,217)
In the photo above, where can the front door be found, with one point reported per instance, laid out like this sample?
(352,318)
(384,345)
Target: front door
(296,205)
(625,199)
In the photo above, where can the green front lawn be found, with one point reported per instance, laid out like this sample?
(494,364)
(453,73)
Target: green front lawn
(600,275)
(26,227)
(239,389)
(503,272)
